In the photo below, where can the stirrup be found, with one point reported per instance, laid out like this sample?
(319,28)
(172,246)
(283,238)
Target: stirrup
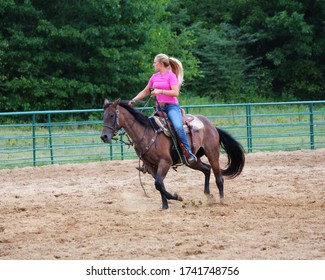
(191,159)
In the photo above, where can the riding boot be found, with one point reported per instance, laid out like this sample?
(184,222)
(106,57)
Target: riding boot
(188,155)
(192,158)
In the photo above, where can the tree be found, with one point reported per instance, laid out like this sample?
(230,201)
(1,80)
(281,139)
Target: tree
(290,40)
(73,54)
(257,47)
(227,72)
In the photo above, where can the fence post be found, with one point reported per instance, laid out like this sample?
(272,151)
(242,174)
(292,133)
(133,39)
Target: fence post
(50,135)
(122,147)
(34,138)
(311,126)
(111,151)
(249,128)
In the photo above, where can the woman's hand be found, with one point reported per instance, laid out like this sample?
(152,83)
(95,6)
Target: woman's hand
(155,92)
(132,102)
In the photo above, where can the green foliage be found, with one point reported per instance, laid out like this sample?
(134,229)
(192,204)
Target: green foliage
(252,50)
(72,54)
(227,70)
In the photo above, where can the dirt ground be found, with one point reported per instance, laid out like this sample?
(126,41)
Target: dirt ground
(274,210)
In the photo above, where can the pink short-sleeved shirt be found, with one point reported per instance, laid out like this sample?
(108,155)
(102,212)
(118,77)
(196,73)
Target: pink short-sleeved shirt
(164,82)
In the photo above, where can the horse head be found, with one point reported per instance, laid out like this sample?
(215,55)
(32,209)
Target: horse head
(111,120)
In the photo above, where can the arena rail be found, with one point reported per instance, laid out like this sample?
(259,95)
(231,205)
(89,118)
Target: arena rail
(55,137)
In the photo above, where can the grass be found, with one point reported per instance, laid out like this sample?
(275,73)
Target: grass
(66,144)
(273,127)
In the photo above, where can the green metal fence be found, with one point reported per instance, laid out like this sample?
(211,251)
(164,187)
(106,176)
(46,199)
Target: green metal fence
(40,138)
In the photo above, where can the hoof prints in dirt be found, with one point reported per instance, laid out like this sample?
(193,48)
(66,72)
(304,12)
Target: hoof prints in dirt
(274,210)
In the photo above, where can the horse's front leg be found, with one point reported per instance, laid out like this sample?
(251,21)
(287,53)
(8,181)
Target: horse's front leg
(164,201)
(165,195)
(158,183)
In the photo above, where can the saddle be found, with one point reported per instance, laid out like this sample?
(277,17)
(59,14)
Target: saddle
(191,124)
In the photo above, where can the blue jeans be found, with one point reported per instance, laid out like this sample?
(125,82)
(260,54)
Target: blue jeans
(175,116)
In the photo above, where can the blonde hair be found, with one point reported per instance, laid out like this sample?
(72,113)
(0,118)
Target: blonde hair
(174,65)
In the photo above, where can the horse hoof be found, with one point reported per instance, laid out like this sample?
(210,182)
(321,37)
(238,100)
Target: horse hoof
(211,199)
(222,202)
(178,197)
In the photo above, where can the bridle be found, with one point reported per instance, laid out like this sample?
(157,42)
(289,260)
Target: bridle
(116,122)
(116,132)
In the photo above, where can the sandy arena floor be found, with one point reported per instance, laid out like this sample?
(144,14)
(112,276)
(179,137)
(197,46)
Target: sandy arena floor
(274,210)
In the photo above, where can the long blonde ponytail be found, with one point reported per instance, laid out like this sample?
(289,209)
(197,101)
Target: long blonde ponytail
(177,68)
(174,64)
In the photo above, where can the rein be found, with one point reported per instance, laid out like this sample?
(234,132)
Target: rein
(117,137)
(173,140)
(152,142)
(146,103)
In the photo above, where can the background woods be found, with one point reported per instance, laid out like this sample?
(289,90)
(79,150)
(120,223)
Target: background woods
(71,54)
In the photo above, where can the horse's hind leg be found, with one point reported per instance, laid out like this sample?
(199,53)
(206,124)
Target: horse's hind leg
(219,182)
(206,170)
(219,178)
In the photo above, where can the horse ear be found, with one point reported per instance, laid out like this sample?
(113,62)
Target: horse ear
(106,102)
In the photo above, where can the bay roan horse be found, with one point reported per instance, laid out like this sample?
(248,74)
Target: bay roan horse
(157,152)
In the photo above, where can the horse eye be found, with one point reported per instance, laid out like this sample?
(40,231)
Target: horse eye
(111,115)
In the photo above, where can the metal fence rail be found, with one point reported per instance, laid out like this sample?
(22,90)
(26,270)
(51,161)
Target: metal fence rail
(41,137)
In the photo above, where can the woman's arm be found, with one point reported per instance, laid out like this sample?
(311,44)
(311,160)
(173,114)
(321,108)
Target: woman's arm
(174,91)
(142,94)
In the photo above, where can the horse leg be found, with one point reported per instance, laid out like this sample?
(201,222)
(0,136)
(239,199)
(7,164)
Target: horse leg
(164,201)
(217,173)
(159,184)
(206,170)
(219,180)
(164,193)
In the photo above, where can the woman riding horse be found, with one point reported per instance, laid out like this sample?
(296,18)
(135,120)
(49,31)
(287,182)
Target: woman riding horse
(165,86)
(155,149)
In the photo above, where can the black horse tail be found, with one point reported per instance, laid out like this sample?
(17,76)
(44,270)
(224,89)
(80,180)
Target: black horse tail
(235,154)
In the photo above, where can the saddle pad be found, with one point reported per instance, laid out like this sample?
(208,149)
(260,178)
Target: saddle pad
(195,123)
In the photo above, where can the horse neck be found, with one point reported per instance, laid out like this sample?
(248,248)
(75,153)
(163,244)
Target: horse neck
(132,127)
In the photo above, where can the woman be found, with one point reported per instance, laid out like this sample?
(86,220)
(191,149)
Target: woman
(165,86)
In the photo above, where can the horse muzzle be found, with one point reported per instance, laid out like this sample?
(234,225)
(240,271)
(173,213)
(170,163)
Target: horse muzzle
(105,138)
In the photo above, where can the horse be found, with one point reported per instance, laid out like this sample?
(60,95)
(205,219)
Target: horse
(156,150)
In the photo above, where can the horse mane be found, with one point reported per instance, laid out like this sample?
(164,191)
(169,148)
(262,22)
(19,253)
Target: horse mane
(139,116)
